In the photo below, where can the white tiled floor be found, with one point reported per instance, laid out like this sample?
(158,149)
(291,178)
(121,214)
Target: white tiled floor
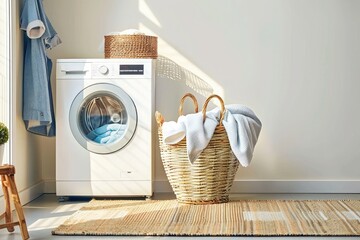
(46,213)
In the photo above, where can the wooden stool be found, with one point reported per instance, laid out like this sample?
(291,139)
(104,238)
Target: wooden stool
(7,173)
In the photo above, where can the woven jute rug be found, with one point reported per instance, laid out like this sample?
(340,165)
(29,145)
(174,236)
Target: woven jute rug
(236,218)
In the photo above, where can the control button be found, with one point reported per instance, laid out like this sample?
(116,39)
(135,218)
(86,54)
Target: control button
(103,69)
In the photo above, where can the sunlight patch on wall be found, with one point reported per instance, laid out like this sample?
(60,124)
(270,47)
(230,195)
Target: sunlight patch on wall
(166,50)
(146,11)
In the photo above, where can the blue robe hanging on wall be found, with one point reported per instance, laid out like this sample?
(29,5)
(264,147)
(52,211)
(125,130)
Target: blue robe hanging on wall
(38,110)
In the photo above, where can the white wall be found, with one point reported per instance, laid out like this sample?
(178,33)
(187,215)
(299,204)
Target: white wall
(295,63)
(4,75)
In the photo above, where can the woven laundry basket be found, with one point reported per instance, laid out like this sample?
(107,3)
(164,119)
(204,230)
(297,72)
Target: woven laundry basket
(130,46)
(209,179)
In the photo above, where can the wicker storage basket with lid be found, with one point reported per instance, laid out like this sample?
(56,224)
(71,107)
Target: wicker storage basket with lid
(209,179)
(130,44)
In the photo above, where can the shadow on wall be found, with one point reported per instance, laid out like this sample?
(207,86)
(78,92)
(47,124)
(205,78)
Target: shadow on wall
(172,82)
(168,69)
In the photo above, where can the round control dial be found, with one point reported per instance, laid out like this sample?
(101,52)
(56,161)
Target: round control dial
(103,69)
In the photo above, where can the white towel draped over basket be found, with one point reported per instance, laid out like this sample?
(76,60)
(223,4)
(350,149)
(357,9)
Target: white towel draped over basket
(241,124)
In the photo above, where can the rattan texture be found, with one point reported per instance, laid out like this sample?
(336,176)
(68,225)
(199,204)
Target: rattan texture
(130,46)
(209,179)
(236,218)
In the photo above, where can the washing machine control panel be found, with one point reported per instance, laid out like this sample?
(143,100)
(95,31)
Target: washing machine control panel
(105,68)
(120,70)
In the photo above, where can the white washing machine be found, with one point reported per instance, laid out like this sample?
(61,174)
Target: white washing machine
(105,112)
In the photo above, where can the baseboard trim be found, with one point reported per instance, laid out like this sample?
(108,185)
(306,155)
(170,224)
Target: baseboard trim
(26,195)
(239,186)
(282,186)
(260,186)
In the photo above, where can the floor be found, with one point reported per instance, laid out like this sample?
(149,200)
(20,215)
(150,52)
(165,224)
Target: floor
(46,212)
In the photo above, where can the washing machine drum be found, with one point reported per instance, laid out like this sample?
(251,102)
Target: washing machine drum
(103,118)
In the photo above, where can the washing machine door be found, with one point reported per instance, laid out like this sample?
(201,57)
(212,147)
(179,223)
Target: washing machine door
(103,118)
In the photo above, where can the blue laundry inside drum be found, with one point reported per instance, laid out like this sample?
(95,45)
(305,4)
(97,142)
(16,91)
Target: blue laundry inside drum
(103,119)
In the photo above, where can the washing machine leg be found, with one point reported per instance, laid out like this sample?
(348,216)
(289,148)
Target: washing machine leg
(148,198)
(63,199)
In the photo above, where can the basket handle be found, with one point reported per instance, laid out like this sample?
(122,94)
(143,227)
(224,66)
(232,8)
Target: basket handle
(159,118)
(196,105)
(222,110)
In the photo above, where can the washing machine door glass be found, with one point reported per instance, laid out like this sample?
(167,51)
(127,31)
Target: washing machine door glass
(103,118)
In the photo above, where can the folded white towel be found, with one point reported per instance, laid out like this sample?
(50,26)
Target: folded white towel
(241,124)
(173,132)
